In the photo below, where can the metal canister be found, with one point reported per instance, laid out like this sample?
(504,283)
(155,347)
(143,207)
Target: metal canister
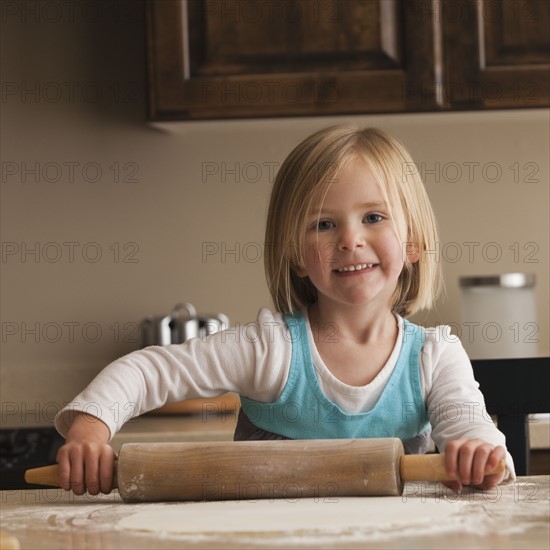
(181,325)
(499,316)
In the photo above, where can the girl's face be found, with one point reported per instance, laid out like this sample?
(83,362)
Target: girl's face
(353,255)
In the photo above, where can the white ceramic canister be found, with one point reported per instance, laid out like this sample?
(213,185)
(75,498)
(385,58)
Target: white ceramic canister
(499,316)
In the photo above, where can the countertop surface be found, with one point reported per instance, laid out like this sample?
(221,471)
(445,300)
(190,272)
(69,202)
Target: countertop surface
(511,516)
(196,427)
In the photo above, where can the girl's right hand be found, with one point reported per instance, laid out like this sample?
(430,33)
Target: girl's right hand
(86,460)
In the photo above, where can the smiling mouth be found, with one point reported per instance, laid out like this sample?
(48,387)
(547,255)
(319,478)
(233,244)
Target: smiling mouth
(356,267)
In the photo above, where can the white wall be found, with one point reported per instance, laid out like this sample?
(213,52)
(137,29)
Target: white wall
(175,207)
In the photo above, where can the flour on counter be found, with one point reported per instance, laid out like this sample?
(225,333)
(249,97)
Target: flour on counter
(425,509)
(308,515)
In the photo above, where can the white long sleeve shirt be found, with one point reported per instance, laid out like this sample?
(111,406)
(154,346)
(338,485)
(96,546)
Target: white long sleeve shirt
(254,359)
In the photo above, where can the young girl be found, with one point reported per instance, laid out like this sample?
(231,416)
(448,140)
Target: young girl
(348,240)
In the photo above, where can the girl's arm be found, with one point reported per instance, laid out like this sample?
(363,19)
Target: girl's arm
(460,423)
(251,360)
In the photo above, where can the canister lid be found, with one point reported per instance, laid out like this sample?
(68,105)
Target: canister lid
(505,280)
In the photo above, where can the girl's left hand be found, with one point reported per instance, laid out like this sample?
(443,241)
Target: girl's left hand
(466,461)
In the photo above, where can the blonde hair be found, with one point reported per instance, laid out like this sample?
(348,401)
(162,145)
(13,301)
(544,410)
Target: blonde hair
(306,175)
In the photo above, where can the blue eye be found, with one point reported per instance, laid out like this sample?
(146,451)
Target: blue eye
(373,218)
(323,225)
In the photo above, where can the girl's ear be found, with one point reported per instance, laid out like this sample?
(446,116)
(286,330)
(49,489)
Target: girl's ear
(300,271)
(412,252)
(296,264)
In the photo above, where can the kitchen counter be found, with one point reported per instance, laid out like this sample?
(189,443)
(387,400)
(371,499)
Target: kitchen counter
(158,428)
(512,516)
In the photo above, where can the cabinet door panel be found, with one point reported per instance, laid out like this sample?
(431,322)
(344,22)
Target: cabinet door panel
(516,33)
(257,58)
(244,37)
(505,61)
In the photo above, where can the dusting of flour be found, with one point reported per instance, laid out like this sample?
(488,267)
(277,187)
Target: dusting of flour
(423,510)
(306,516)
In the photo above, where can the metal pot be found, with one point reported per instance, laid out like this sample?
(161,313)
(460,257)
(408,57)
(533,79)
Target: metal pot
(155,331)
(212,322)
(184,328)
(178,327)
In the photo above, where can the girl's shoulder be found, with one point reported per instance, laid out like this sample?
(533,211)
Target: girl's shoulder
(440,344)
(269,325)
(268,318)
(443,351)
(439,335)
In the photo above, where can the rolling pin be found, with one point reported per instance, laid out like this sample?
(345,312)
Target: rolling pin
(250,470)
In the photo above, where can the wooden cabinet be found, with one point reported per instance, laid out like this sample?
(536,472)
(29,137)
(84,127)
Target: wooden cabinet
(266,58)
(497,53)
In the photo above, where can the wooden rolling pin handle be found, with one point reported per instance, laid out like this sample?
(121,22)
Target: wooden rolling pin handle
(8,542)
(46,475)
(49,475)
(432,467)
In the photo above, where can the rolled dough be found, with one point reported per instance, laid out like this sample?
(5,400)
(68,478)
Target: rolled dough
(280,515)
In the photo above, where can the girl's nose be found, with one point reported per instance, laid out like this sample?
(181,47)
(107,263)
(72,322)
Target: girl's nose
(351,237)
